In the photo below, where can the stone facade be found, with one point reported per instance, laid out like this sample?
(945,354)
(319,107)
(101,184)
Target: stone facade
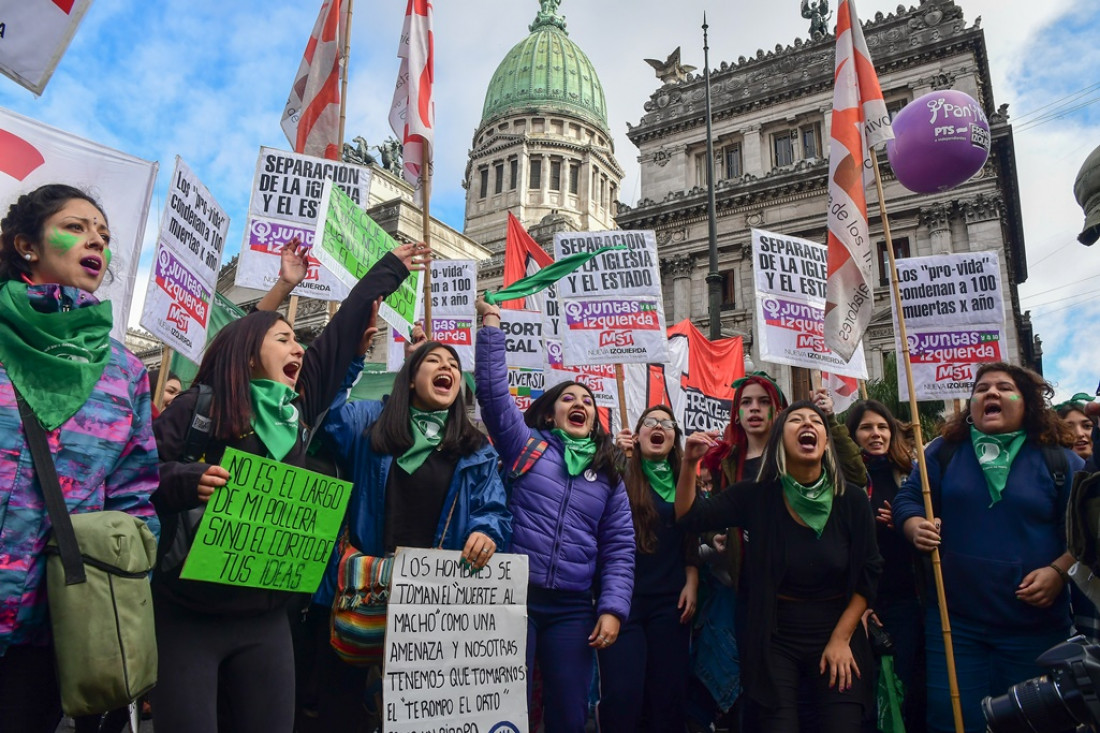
(770,126)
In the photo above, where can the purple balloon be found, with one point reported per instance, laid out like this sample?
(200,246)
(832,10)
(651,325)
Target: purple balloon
(940,140)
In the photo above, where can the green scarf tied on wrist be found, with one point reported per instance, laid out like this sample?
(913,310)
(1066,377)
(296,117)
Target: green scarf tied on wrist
(274,418)
(53,359)
(660,477)
(427,430)
(812,503)
(579,452)
(995,453)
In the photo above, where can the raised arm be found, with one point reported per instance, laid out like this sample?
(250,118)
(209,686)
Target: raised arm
(293,265)
(502,418)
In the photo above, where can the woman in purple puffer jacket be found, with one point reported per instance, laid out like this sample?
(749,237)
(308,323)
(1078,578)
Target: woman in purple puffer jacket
(570,516)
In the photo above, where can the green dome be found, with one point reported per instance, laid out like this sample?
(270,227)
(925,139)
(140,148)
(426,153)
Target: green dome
(548,72)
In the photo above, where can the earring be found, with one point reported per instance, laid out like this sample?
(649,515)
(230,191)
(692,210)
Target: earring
(28,256)
(969,419)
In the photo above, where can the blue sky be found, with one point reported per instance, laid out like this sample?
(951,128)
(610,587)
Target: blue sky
(207,80)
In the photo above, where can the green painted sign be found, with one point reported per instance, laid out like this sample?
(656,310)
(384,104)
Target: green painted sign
(348,243)
(271,526)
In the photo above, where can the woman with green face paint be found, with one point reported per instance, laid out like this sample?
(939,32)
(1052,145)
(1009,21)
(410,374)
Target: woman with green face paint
(92,398)
(1000,527)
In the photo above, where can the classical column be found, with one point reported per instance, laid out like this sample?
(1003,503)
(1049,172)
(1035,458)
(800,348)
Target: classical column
(983,222)
(753,151)
(679,268)
(937,218)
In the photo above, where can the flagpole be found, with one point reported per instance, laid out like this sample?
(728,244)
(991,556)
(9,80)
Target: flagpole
(344,79)
(426,190)
(918,440)
(714,278)
(620,380)
(162,378)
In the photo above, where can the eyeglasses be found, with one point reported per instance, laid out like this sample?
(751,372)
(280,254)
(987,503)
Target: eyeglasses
(652,422)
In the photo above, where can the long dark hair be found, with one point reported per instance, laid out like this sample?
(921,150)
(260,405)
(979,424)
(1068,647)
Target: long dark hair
(642,509)
(775,455)
(898,452)
(26,217)
(391,435)
(540,416)
(1040,422)
(227,369)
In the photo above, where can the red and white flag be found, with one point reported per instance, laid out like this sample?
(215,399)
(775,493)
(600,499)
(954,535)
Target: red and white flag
(311,119)
(34,35)
(843,390)
(860,122)
(412,114)
(522,257)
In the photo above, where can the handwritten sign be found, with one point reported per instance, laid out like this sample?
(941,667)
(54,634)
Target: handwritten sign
(286,202)
(954,318)
(271,526)
(790,275)
(456,644)
(349,243)
(612,308)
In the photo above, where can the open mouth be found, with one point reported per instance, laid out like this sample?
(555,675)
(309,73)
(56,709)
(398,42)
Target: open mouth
(657,439)
(807,439)
(443,381)
(992,408)
(291,370)
(92,264)
(579,418)
(875,445)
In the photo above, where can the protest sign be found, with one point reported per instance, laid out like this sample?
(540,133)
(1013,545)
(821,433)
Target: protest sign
(185,266)
(286,202)
(456,644)
(348,243)
(954,319)
(790,275)
(34,35)
(32,155)
(271,526)
(599,378)
(454,290)
(612,308)
(523,338)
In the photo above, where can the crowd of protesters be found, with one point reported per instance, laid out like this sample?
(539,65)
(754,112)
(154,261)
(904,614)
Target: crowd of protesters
(711,580)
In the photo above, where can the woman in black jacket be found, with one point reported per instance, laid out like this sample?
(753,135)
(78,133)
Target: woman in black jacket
(266,391)
(812,572)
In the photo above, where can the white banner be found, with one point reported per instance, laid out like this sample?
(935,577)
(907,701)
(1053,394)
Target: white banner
(33,37)
(285,202)
(454,290)
(523,338)
(790,274)
(185,268)
(32,154)
(954,320)
(612,308)
(456,644)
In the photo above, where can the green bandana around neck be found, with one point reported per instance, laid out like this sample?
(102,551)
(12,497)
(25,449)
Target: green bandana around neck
(53,359)
(812,503)
(579,452)
(274,418)
(995,453)
(660,477)
(427,431)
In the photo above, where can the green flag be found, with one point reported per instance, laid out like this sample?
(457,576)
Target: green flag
(545,277)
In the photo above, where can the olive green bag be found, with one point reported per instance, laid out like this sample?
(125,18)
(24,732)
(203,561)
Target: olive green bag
(97,588)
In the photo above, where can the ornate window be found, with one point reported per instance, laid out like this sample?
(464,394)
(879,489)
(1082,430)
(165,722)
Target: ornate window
(513,173)
(555,175)
(901,251)
(498,177)
(484,173)
(535,177)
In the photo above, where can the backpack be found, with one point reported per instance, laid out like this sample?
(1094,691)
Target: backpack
(1053,456)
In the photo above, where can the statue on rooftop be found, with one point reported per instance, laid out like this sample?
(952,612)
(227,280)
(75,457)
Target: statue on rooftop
(817,12)
(670,70)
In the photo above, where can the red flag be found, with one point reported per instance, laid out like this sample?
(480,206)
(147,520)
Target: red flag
(860,121)
(522,257)
(311,119)
(412,114)
(844,390)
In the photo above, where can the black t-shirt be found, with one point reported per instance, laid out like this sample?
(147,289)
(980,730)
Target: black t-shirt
(414,502)
(662,571)
(898,579)
(816,567)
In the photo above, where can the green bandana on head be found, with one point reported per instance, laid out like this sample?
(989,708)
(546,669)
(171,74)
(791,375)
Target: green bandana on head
(53,359)
(274,418)
(427,429)
(660,477)
(995,454)
(812,503)
(579,452)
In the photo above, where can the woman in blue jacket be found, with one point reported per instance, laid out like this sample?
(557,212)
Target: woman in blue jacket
(1000,526)
(424,477)
(571,517)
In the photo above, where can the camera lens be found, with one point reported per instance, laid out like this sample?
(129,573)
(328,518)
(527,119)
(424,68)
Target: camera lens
(1029,707)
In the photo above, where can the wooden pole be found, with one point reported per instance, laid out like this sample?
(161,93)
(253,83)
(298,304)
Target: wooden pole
(426,190)
(620,382)
(926,491)
(292,310)
(863,389)
(162,378)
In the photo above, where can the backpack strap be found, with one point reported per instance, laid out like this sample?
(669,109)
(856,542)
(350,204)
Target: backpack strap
(202,424)
(1058,465)
(533,451)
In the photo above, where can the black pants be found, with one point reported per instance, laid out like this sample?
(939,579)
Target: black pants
(29,698)
(251,655)
(802,631)
(344,702)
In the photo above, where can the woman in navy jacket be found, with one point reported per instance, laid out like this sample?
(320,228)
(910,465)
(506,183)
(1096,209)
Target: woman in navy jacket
(1002,540)
(571,517)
